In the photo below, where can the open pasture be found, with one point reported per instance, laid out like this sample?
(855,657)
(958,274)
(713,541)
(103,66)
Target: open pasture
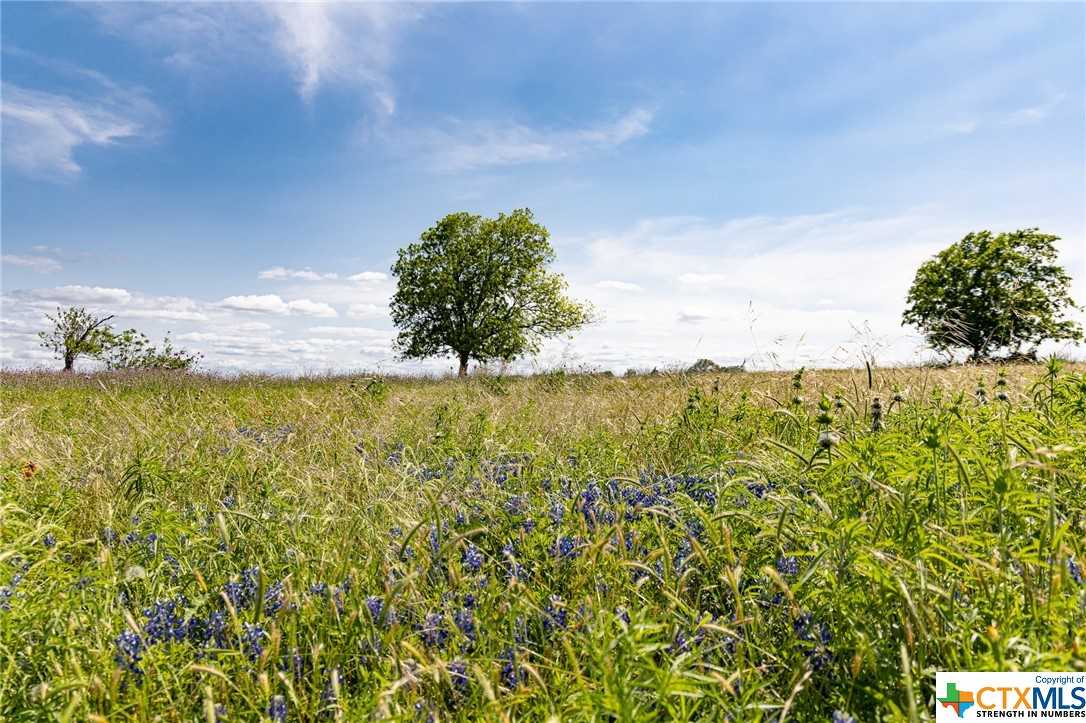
(579,547)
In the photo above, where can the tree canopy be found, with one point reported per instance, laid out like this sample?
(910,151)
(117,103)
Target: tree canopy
(76,333)
(479,288)
(991,292)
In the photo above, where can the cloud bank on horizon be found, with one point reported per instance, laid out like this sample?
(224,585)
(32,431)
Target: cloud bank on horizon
(738,182)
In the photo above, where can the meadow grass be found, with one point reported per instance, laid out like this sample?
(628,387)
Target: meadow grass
(748,545)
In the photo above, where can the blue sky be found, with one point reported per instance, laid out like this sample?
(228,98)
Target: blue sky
(725,180)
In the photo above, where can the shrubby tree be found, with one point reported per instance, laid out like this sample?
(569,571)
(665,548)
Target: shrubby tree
(76,333)
(132,349)
(479,288)
(991,292)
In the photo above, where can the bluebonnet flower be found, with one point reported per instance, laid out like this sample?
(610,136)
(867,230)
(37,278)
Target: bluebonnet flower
(49,540)
(131,538)
(788,566)
(375,605)
(623,614)
(554,615)
(458,673)
(512,674)
(220,712)
(229,502)
(465,621)
(758,489)
(277,709)
(243,592)
(566,547)
(318,588)
(557,512)
(1074,570)
(395,457)
(681,555)
(469,600)
(129,651)
(681,644)
(109,536)
(528,524)
(818,636)
(253,640)
(472,558)
(435,540)
(516,505)
(520,631)
(152,543)
(434,634)
(273,598)
(842,717)
(163,622)
(396,532)
(5,597)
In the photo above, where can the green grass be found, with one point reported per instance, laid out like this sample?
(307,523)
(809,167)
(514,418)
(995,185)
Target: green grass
(719,561)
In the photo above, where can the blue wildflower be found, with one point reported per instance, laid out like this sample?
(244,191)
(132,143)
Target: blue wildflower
(129,651)
(253,640)
(788,566)
(465,621)
(554,615)
(277,709)
(458,674)
(512,674)
(163,621)
(434,634)
(49,540)
(1074,570)
(842,717)
(472,558)
(566,548)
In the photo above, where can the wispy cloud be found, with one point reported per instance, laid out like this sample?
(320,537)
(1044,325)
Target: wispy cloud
(278,273)
(462,146)
(41,264)
(617,285)
(318,44)
(43,130)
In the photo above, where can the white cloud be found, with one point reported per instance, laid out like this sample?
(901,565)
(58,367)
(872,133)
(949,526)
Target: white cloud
(82,295)
(312,308)
(368,277)
(41,264)
(352,332)
(43,131)
(366,311)
(465,146)
(274,304)
(617,286)
(278,273)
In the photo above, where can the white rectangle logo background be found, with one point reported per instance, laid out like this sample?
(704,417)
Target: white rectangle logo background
(990,696)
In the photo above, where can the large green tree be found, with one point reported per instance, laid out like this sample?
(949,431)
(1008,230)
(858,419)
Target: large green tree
(479,288)
(991,292)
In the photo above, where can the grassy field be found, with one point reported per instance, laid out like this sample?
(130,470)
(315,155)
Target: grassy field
(750,545)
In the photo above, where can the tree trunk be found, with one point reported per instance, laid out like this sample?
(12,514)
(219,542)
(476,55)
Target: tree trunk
(463,365)
(69,362)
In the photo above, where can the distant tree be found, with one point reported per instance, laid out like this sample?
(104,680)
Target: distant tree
(987,293)
(132,349)
(76,333)
(478,288)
